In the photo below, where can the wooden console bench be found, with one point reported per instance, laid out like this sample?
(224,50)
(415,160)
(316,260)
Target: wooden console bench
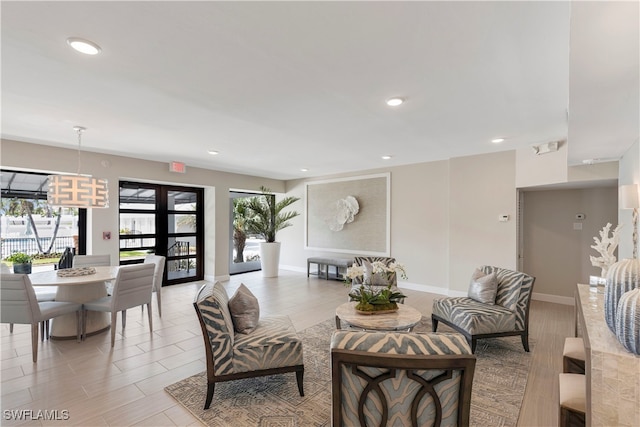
(323,265)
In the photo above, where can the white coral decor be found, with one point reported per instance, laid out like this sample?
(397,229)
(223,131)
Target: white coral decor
(606,246)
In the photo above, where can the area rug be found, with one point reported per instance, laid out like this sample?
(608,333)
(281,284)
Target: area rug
(498,387)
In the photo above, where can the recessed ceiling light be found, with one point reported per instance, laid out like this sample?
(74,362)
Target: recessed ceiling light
(84,46)
(213,152)
(304,170)
(386,157)
(497,140)
(394,102)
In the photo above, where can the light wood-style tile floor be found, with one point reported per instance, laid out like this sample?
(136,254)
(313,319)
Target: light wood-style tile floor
(124,386)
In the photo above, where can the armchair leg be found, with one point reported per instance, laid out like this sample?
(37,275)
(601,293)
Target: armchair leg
(10,328)
(124,319)
(472,344)
(525,341)
(434,324)
(299,379)
(210,388)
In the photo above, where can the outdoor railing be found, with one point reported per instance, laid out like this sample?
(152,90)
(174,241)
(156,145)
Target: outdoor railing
(29,246)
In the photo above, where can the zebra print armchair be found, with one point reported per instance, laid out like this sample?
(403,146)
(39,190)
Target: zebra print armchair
(508,315)
(376,282)
(400,379)
(272,348)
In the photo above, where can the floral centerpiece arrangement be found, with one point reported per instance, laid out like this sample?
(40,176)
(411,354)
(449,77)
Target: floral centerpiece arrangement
(370,296)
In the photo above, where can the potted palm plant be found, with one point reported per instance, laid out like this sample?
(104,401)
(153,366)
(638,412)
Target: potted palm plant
(21,262)
(266,218)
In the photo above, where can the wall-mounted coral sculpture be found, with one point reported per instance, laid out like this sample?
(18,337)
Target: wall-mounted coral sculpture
(343,212)
(606,246)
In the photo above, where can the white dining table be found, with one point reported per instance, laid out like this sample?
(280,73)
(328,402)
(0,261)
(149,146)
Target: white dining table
(78,289)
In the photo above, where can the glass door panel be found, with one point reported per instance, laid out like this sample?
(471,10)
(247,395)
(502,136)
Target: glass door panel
(244,247)
(184,234)
(163,220)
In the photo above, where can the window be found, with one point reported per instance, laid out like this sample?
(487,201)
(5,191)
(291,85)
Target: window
(30,225)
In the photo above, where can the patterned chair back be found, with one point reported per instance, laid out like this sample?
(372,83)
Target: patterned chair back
(360,261)
(212,307)
(400,379)
(514,292)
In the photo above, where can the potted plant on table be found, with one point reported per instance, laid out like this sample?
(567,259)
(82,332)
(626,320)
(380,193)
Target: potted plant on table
(371,298)
(21,262)
(266,218)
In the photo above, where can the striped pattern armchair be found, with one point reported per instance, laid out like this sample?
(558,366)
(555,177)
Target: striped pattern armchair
(362,260)
(400,379)
(476,320)
(272,348)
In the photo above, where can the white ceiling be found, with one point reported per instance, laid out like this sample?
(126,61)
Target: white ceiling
(280,86)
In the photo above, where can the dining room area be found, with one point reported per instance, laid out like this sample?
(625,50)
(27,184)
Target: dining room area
(80,301)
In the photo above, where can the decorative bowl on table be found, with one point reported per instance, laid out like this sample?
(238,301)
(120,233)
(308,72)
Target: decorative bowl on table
(376,309)
(77,271)
(373,298)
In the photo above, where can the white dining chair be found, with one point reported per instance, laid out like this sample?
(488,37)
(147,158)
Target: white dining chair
(132,288)
(94,261)
(18,304)
(158,261)
(43,293)
(91,260)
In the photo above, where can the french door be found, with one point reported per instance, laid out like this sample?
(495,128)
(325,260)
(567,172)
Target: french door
(163,220)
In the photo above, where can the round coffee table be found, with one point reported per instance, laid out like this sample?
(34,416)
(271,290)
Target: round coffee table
(404,319)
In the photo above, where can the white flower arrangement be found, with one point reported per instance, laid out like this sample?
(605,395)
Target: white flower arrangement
(378,267)
(372,298)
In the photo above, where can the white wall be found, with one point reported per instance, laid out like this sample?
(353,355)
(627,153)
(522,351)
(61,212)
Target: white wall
(555,253)
(444,220)
(541,169)
(481,188)
(419,224)
(444,214)
(40,158)
(629,173)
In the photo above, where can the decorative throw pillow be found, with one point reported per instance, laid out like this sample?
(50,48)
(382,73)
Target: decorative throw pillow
(373,279)
(483,287)
(245,311)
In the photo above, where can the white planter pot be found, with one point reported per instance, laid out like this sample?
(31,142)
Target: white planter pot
(270,258)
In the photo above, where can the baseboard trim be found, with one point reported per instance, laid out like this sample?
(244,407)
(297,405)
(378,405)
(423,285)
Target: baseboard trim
(293,268)
(422,288)
(557,299)
(214,279)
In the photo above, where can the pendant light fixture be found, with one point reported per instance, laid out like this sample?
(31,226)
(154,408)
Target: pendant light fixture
(78,191)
